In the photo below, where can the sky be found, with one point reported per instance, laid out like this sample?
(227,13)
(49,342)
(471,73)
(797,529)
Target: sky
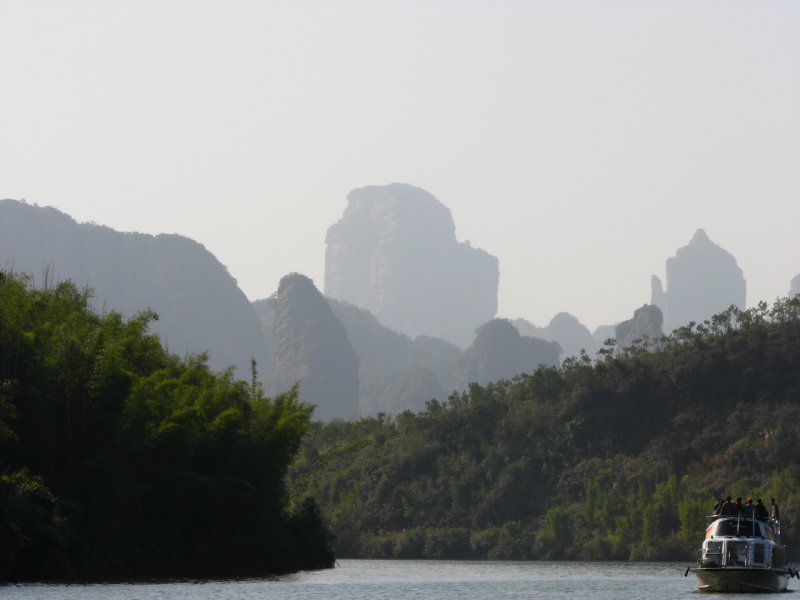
(580,142)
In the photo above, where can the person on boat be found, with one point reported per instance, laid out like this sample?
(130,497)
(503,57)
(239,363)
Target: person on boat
(739,506)
(774,510)
(761,510)
(775,516)
(749,509)
(718,506)
(728,508)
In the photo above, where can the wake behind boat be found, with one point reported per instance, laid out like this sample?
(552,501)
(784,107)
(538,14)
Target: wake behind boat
(742,553)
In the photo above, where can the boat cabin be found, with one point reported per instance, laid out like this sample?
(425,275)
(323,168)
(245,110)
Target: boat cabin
(741,543)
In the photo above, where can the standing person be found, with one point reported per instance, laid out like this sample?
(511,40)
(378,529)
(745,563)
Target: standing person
(718,506)
(748,506)
(728,508)
(739,505)
(774,510)
(775,515)
(761,510)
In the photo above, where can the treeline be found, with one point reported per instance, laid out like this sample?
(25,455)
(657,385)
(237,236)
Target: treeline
(121,460)
(618,457)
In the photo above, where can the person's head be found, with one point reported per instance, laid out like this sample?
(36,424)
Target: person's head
(749,500)
(728,498)
(772,500)
(758,501)
(739,500)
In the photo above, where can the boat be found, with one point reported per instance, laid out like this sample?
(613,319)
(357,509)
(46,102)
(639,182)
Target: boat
(742,553)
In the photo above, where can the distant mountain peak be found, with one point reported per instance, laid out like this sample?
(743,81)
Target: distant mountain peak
(700,237)
(394,252)
(702,279)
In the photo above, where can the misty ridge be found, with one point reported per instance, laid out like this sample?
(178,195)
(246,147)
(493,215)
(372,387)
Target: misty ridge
(407,313)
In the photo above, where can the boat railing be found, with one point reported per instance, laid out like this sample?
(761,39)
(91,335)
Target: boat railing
(774,523)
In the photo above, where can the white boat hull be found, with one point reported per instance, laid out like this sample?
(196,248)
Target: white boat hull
(730,579)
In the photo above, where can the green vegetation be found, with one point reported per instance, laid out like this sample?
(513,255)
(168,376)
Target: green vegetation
(120,460)
(619,457)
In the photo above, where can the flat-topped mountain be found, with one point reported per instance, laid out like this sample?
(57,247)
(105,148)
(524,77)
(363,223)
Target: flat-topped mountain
(703,279)
(199,305)
(394,252)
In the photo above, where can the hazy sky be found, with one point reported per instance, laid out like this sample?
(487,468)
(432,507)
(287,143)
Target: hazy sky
(581,142)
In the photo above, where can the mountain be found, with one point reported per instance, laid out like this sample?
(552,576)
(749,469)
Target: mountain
(795,286)
(570,334)
(311,348)
(394,252)
(500,352)
(646,323)
(603,333)
(199,305)
(395,372)
(702,279)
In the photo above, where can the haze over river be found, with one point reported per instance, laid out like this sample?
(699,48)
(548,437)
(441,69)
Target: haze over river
(408,579)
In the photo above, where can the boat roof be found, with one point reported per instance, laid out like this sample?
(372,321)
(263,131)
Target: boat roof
(739,527)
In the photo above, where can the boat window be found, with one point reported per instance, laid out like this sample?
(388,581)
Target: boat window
(713,554)
(758,554)
(737,554)
(738,528)
(713,548)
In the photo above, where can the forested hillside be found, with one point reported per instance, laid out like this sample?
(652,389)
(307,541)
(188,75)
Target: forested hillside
(120,460)
(619,457)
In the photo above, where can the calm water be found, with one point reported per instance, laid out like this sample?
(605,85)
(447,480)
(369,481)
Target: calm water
(410,579)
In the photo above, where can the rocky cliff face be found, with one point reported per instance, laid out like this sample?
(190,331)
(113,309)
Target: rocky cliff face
(395,253)
(200,307)
(311,348)
(646,323)
(702,280)
(794,288)
(500,352)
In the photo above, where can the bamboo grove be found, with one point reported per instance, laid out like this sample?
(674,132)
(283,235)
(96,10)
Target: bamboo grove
(120,460)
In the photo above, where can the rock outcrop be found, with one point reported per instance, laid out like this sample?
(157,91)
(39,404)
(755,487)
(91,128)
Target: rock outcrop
(500,352)
(311,348)
(395,253)
(199,305)
(657,296)
(645,324)
(702,280)
(794,287)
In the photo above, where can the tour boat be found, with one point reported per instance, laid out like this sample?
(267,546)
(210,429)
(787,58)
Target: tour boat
(742,554)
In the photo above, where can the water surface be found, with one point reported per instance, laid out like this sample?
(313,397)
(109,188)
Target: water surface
(409,579)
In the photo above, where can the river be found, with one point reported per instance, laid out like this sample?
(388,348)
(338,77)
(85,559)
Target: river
(407,579)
